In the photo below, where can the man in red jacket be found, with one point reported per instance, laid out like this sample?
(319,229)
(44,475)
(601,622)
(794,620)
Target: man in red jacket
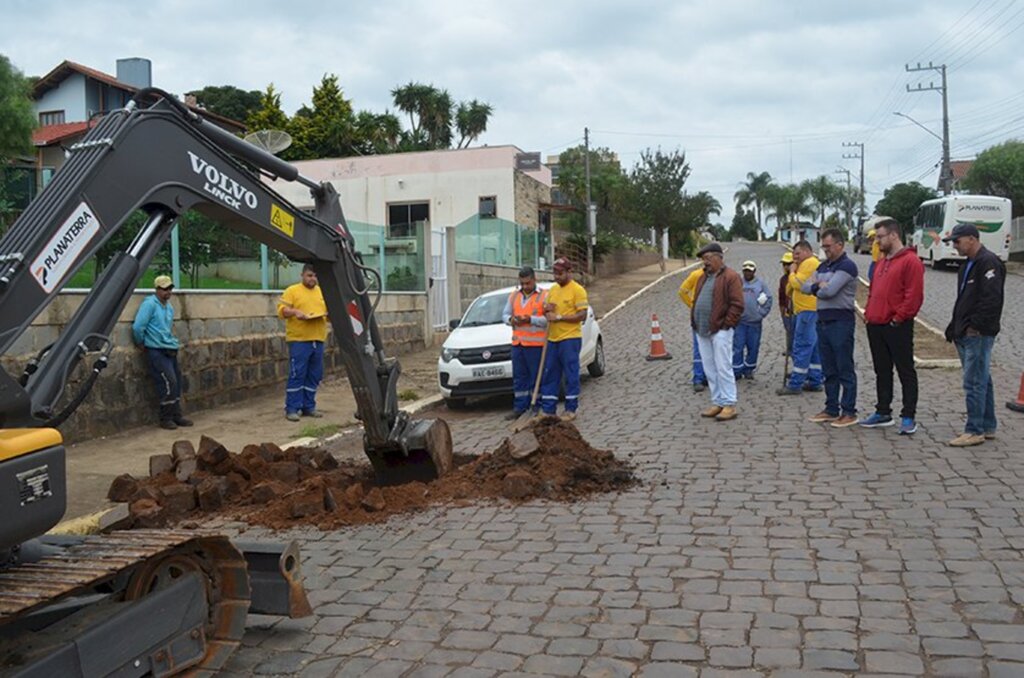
(894,298)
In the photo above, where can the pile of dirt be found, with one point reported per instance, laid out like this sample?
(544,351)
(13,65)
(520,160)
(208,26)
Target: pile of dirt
(265,485)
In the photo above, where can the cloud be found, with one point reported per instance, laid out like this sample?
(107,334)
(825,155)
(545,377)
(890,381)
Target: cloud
(741,85)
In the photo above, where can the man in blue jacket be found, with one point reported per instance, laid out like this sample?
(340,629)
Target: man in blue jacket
(834,285)
(152,333)
(746,341)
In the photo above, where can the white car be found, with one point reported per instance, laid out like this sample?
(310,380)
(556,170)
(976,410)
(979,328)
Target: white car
(476,359)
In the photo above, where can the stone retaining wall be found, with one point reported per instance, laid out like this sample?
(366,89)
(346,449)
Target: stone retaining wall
(620,261)
(233,348)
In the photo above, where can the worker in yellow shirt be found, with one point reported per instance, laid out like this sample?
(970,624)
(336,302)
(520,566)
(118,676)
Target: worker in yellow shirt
(566,310)
(305,330)
(686,295)
(806,371)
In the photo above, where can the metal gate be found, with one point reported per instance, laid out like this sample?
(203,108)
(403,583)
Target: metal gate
(438,295)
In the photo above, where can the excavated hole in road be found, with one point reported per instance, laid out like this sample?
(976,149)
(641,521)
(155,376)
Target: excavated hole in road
(264,485)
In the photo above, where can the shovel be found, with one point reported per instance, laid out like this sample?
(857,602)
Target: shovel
(785,371)
(525,443)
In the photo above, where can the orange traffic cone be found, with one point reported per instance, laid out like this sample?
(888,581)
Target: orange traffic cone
(1018,405)
(658,351)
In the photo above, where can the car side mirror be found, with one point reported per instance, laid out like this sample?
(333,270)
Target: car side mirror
(452,324)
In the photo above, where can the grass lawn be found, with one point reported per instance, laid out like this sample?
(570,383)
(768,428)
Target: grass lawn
(85,278)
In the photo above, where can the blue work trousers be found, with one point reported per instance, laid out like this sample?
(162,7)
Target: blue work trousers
(976,358)
(563,359)
(806,358)
(698,365)
(525,365)
(746,344)
(305,370)
(835,338)
(163,367)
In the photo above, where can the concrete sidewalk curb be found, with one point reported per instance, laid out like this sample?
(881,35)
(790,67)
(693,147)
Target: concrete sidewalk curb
(421,405)
(646,288)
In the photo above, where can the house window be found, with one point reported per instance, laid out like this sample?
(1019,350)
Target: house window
(51,118)
(404,217)
(488,206)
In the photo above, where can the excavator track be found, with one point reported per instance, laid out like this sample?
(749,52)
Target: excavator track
(132,564)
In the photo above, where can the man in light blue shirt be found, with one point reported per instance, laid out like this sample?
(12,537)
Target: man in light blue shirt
(152,333)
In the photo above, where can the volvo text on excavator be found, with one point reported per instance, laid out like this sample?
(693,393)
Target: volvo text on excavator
(159,602)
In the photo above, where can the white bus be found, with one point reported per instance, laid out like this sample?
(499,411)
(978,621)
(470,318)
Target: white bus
(936,218)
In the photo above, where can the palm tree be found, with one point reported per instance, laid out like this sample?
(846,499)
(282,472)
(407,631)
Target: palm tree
(471,121)
(788,203)
(753,192)
(408,99)
(824,193)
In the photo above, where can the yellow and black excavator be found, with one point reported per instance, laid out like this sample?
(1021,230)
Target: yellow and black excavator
(159,602)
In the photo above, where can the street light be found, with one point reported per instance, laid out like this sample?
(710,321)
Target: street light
(904,115)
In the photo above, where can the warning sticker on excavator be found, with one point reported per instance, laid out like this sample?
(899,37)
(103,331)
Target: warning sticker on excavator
(282,220)
(356,317)
(59,255)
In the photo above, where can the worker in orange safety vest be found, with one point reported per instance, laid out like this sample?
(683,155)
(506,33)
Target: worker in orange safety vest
(524,311)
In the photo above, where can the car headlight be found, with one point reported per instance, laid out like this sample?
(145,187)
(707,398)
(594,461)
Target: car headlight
(449,354)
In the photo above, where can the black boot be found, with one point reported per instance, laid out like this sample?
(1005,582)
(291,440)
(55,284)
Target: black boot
(167,417)
(179,418)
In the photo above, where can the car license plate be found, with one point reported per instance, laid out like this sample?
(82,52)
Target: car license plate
(484,372)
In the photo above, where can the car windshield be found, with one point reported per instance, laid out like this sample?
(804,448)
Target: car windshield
(485,311)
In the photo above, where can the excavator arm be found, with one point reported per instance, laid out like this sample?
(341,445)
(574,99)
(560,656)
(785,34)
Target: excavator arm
(164,160)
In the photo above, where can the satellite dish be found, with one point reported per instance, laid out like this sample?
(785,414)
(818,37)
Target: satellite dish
(272,141)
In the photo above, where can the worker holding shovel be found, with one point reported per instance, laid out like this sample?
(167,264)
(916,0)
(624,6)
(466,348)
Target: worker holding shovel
(566,309)
(524,311)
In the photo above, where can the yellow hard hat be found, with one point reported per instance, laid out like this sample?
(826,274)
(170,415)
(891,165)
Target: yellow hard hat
(787,258)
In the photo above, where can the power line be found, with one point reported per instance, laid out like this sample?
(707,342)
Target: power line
(992,43)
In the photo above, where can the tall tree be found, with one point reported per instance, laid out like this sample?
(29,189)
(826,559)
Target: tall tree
(16,124)
(657,183)
(432,115)
(411,99)
(377,132)
(471,121)
(824,194)
(787,204)
(332,131)
(900,201)
(697,210)
(607,179)
(228,100)
(16,118)
(999,170)
(753,192)
(744,225)
(269,115)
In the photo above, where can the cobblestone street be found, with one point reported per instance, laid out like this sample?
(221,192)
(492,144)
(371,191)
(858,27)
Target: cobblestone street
(764,546)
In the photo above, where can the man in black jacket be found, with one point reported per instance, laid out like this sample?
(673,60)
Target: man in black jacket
(975,324)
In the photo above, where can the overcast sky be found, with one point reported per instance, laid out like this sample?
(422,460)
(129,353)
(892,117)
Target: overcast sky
(739,85)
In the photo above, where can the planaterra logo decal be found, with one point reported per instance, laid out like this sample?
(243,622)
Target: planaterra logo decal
(59,255)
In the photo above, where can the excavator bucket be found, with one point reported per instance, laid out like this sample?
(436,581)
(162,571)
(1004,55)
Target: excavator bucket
(423,453)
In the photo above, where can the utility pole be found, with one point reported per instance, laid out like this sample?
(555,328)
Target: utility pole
(591,216)
(946,174)
(849,198)
(859,145)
